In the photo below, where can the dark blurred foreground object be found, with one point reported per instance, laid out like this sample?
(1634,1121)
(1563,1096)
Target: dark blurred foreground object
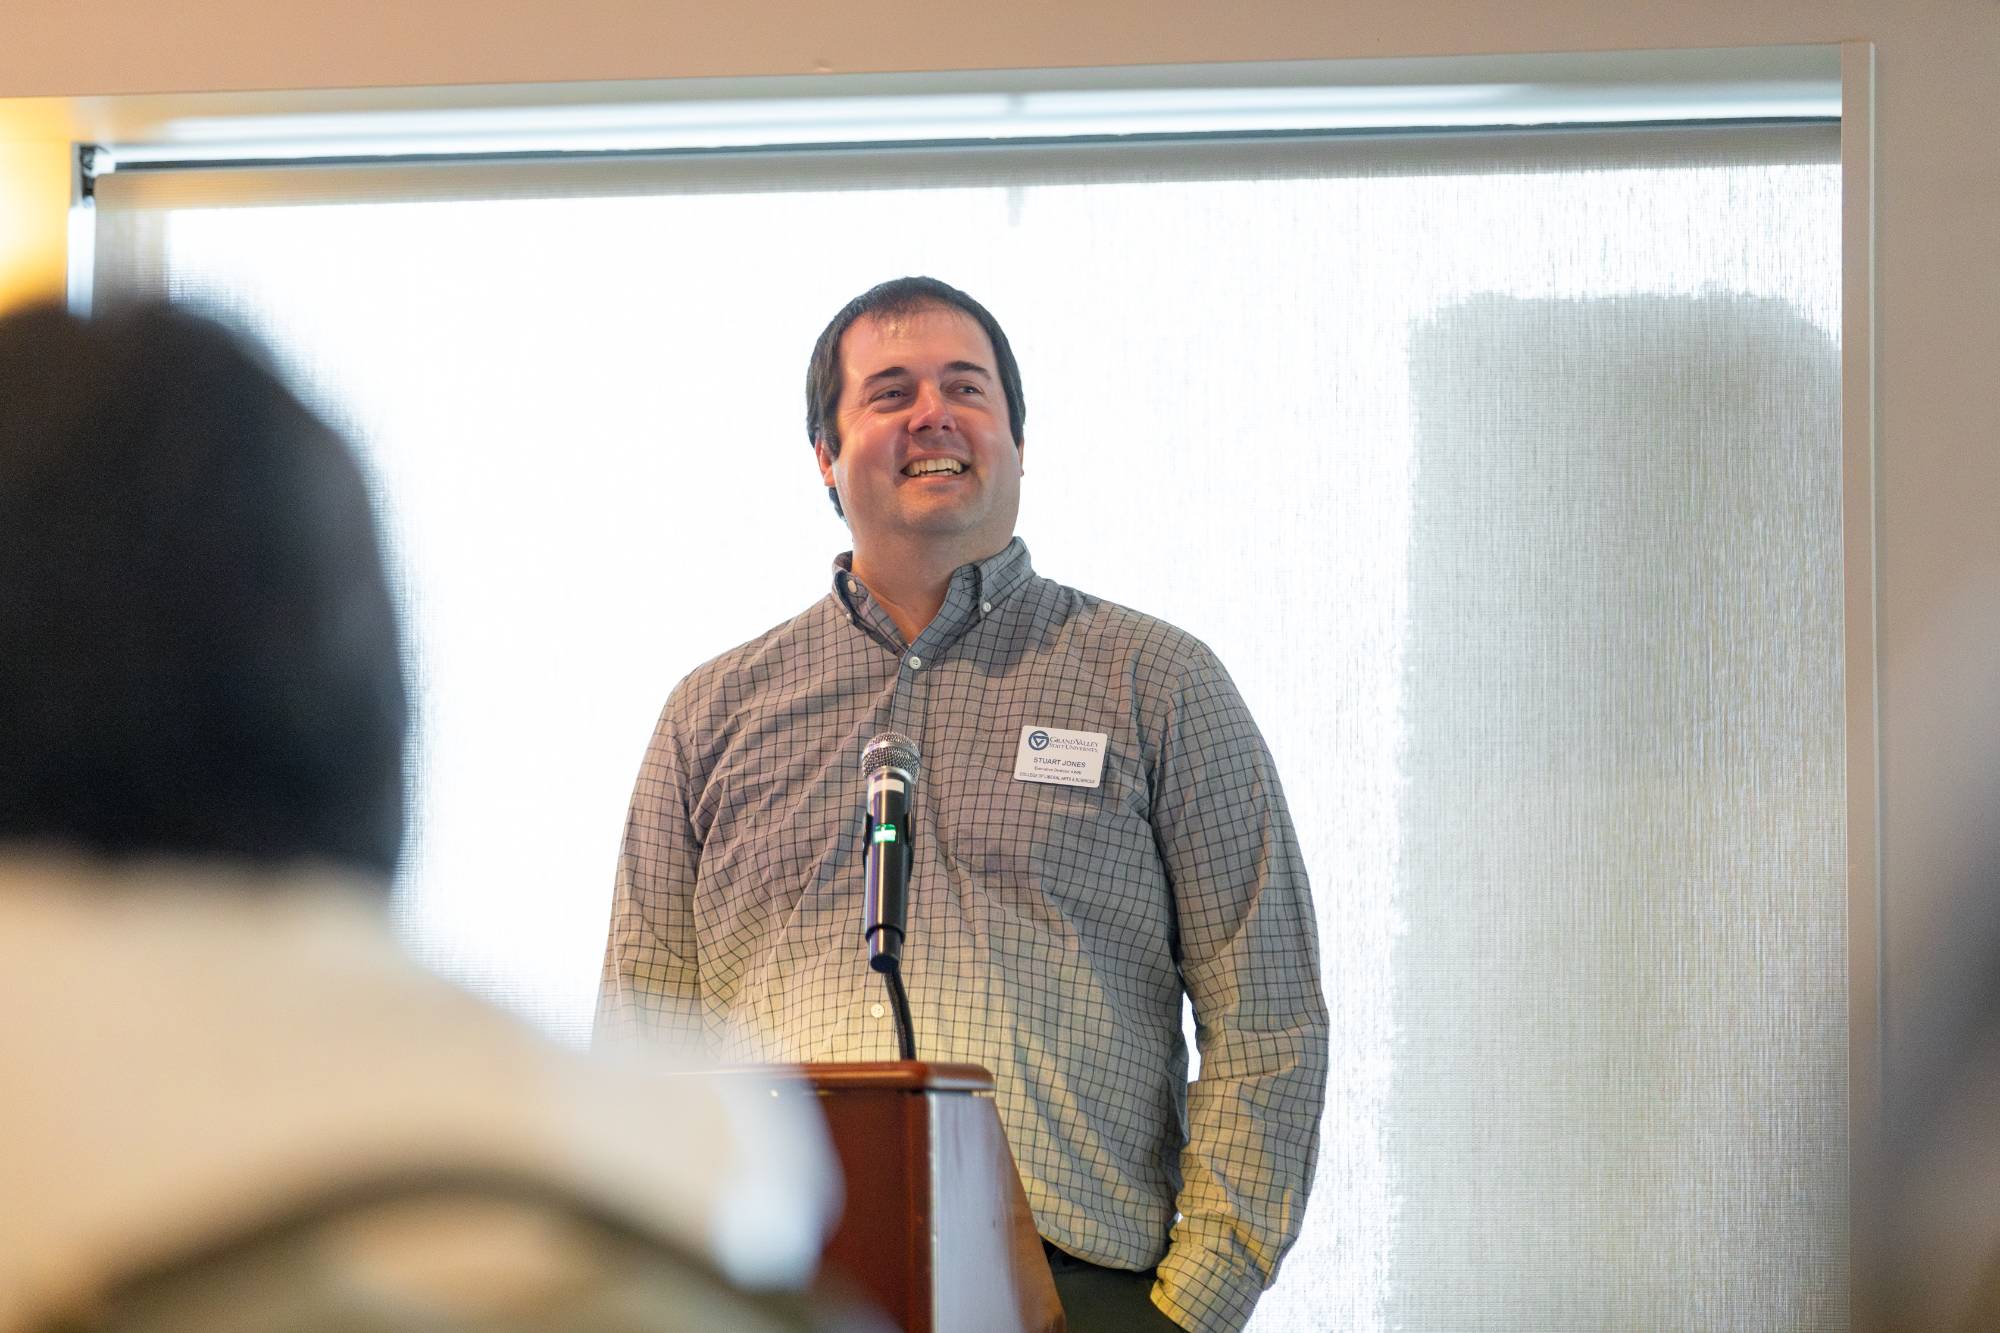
(1929,1214)
(227,1099)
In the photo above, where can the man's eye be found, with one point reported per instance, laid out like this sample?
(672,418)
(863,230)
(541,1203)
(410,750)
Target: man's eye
(971,389)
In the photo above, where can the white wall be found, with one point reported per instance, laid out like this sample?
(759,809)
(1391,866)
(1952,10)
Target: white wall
(1938,186)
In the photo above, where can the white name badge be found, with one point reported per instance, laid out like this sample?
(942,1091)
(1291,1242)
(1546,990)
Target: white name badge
(1070,758)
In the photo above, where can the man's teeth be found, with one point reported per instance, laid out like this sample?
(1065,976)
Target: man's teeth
(930,465)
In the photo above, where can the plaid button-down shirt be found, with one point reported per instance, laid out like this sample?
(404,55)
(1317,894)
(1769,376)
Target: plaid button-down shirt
(1051,928)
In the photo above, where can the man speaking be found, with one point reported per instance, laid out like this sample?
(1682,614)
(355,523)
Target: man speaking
(1097,830)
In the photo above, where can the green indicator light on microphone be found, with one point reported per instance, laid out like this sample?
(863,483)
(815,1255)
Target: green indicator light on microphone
(885,833)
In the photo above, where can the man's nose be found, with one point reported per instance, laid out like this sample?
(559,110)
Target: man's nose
(932,410)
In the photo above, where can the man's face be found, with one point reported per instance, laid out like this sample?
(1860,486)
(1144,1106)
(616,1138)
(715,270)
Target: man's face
(926,449)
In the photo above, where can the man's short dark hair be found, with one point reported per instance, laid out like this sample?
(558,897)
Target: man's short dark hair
(898,296)
(199,655)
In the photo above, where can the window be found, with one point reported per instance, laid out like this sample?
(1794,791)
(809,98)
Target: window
(1503,471)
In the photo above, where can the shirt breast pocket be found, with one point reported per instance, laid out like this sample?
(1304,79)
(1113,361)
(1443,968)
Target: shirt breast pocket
(1084,853)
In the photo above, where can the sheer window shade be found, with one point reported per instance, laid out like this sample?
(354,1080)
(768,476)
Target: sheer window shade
(1503,471)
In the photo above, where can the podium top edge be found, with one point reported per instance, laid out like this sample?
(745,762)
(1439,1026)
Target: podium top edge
(897,1076)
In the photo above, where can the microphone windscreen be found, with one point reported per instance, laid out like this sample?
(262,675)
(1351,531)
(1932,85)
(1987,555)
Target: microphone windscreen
(892,749)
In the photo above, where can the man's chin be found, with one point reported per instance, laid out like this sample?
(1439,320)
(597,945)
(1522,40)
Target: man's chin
(953,527)
(941,513)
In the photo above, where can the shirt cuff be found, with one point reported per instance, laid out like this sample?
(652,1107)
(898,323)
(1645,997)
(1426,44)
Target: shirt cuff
(1205,1298)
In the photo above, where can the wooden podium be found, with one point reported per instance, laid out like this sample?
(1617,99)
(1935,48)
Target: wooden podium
(936,1231)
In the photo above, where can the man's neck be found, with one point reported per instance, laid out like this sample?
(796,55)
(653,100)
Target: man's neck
(909,583)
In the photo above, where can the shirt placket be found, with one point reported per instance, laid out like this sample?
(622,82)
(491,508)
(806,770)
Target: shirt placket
(913,694)
(907,712)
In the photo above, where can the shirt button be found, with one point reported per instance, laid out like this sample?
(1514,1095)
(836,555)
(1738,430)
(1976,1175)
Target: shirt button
(875,1010)
(986,608)
(916,663)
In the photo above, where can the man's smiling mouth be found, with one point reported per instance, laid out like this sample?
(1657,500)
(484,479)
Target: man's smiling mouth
(927,467)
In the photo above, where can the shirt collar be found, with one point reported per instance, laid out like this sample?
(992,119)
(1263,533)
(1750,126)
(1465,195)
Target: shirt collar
(1001,575)
(975,592)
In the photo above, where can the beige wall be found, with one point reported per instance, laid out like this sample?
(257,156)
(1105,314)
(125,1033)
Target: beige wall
(57,48)
(1938,180)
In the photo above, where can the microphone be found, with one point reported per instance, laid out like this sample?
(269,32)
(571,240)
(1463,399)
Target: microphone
(890,764)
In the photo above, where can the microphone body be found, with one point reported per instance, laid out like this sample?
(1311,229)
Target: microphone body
(890,761)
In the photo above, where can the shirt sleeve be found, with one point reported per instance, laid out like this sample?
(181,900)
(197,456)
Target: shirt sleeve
(1249,955)
(651,983)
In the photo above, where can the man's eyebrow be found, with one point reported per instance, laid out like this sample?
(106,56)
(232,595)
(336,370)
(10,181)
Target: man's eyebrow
(951,368)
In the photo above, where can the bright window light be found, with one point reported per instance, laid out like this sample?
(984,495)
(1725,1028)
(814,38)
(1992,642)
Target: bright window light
(1253,403)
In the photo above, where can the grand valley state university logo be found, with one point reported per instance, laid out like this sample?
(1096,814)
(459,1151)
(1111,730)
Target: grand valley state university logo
(1038,740)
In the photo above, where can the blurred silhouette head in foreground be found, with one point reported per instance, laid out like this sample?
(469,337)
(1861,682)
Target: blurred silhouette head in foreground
(201,655)
(233,1103)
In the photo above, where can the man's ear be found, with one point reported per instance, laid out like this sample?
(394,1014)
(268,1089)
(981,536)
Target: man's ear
(826,457)
(1021,457)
